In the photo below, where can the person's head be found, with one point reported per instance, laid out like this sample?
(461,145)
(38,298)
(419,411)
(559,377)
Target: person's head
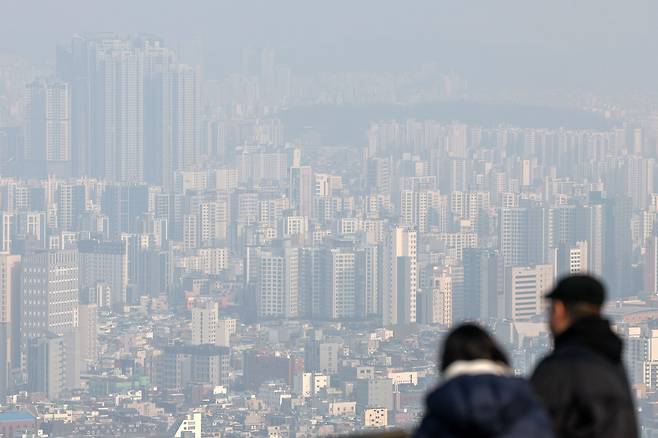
(470,342)
(573,298)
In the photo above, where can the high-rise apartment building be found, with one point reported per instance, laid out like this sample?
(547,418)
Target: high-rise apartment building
(482,296)
(53,364)
(213,221)
(204,324)
(437,300)
(88,342)
(119,109)
(416,208)
(379,175)
(399,277)
(561,225)
(277,290)
(71,204)
(309,282)
(104,262)
(123,204)
(130,98)
(48,127)
(651,267)
(159,96)
(594,223)
(214,260)
(367,281)
(186,115)
(171,114)
(7,231)
(338,283)
(209,328)
(226,179)
(522,235)
(225,328)
(301,189)
(9,317)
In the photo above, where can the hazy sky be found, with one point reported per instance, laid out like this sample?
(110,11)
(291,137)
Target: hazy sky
(609,43)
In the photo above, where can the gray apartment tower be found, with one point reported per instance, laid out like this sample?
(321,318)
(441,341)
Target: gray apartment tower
(130,99)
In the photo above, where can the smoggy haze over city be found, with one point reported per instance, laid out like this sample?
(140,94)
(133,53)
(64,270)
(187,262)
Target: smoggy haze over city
(262,218)
(605,44)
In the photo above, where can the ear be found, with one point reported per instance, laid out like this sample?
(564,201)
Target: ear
(559,308)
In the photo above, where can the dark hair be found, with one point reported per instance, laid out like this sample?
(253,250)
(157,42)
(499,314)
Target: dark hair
(470,342)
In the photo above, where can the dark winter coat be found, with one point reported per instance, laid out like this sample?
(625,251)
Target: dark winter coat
(484,405)
(583,384)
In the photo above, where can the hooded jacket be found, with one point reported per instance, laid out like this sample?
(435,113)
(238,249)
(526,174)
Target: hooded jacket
(481,399)
(583,383)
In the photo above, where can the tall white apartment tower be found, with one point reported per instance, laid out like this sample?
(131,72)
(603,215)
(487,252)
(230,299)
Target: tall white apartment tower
(440,300)
(9,321)
(339,294)
(204,324)
(106,75)
(278,283)
(186,116)
(399,276)
(122,70)
(415,208)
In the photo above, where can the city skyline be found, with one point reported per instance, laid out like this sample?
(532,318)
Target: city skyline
(264,236)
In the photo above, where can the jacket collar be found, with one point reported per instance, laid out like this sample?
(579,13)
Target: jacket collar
(473,367)
(594,333)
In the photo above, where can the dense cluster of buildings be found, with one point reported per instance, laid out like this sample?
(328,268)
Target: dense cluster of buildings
(173,262)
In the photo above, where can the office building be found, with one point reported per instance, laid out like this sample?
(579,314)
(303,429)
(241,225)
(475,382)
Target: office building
(374,393)
(525,290)
(50,286)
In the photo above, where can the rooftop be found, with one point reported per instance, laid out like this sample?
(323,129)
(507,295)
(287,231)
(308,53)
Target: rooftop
(16,416)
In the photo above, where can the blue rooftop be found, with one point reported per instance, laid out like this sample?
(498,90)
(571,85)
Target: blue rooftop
(16,416)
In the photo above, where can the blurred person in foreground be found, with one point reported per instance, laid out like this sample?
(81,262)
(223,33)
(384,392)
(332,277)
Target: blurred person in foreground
(479,396)
(583,383)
